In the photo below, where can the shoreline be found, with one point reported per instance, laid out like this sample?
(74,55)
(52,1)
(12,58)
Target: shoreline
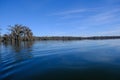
(67,38)
(76,38)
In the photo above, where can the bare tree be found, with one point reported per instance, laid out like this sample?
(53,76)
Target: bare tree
(19,32)
(16,31)
(28,35)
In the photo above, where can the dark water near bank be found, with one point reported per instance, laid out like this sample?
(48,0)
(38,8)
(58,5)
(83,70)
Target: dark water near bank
(61,60)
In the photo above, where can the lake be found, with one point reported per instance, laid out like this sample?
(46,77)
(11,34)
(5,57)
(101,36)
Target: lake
(61,60)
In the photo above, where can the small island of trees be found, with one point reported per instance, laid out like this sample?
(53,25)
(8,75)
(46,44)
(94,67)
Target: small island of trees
(18,33)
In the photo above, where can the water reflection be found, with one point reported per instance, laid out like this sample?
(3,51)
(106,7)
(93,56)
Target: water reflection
(16,51)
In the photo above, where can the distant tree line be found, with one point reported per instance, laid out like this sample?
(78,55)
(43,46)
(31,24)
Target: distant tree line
(18,32)
(77,38)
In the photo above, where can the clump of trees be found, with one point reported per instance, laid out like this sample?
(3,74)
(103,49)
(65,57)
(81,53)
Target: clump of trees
(18,32)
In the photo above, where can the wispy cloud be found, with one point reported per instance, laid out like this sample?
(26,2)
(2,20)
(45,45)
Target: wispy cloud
(68,12)
(101,18)
(112,32)
(71,16)
(96,21)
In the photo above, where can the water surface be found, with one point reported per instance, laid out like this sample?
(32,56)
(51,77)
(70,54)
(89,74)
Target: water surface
(61,60)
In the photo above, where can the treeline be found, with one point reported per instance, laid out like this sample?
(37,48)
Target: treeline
(58,38)
(77,38)
(17,32)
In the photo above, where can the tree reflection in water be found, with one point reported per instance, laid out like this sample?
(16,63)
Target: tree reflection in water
(20,50)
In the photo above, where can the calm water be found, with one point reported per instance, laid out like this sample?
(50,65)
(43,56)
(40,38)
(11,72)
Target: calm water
(61,60)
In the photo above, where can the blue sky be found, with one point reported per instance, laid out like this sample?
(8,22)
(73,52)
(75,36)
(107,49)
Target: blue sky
(63,17)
